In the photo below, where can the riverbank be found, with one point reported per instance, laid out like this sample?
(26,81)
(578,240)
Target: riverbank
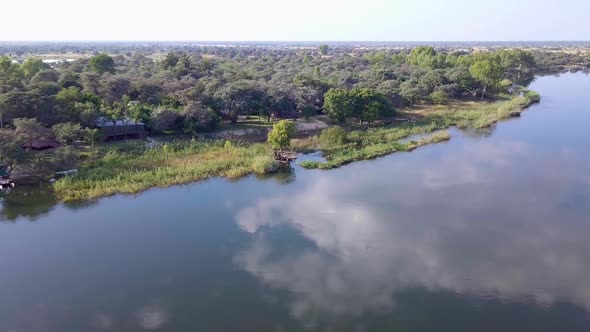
(134,167)
(428,126)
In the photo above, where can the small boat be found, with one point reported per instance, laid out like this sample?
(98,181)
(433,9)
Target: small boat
(67,172)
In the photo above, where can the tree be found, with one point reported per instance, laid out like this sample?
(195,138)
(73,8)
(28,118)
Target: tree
(10,147)
(240,97)
(67,132)
(101,64)
(115,87)
(139,113)
(89,112)
(27,130)
(164,120)
(114,114)
(281,134)
(32,66)
(488,72)
(324,49)
(337,104)
(423,56)
(197,118)
(68,101)
(45,75)
(365,104)
(170,60)
(92,135)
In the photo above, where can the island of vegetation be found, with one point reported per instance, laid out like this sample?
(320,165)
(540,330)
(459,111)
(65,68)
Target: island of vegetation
(224,111)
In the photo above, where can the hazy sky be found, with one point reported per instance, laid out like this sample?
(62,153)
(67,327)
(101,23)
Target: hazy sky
(393,20)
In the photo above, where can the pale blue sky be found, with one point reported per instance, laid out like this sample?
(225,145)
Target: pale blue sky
(264,20)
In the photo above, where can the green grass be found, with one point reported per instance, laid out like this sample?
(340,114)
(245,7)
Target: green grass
(132,168)
(430,128)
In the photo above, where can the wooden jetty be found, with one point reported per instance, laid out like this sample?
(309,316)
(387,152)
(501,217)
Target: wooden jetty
(285,157)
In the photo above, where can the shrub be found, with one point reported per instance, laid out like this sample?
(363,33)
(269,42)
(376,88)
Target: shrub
(333,136)
(532,96)
(439,97)
(505,84)
(264,165)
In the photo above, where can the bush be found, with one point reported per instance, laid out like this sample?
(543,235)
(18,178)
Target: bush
(439,97)
(333,136)
(264,165)
(505,84)
(67,133)
(532,96)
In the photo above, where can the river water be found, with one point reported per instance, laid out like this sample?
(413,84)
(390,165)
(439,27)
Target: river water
(487,232)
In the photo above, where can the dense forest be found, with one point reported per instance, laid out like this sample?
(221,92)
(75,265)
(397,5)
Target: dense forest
(191,91)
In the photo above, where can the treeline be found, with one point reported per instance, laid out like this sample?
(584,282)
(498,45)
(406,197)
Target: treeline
(192,92)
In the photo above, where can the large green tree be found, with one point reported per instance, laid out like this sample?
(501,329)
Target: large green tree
(32,66)
(281,134)
(488,72)
(102,63)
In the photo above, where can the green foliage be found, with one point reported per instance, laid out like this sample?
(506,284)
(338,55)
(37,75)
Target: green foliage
(92,136)
(533,96)
(30,128)
(338,104)
(132,167)
(332,136)
(10,147)
(365,104)
(67,132)
(281,134)
(372,143)
(102,63)
(227,145)
(32,66)
(170,61)
(424,56)
(489,72)
(264,165)
(439,97)
(324,49)
(139,112)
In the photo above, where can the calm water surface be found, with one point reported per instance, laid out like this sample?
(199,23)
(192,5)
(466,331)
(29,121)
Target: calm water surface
(488,232)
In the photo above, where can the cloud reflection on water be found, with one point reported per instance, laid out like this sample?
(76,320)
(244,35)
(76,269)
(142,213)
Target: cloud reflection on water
(484,220)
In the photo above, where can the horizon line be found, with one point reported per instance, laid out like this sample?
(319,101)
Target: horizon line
(287,41)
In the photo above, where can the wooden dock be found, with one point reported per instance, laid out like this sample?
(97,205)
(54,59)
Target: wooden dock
(285,157)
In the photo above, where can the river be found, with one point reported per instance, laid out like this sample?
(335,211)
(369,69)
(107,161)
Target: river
(487,232)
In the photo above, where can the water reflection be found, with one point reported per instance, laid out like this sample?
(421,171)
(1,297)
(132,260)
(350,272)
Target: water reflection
(477,221)
(32,203)
(27,202)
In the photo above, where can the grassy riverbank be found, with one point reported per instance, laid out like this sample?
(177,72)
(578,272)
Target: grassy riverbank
(429,127)
(133,167)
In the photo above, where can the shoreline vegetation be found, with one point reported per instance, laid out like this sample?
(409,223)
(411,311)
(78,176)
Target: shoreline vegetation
(206,109)
(134,167)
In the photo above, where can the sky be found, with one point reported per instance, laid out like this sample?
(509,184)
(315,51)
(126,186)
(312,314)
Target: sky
(295,20)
